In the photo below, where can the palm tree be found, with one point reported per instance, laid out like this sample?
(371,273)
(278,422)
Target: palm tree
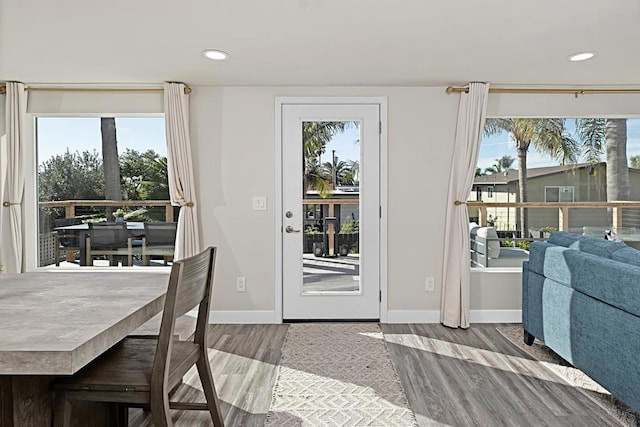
(110,162)
(612,134)
(345,172)
(502,164)
(548,136)
(315,136)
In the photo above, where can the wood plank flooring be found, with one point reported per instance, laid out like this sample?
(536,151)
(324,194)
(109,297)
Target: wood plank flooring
(475,377)
(244,362)
(453,377)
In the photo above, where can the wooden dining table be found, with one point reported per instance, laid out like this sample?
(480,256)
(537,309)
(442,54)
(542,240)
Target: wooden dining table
(54,323)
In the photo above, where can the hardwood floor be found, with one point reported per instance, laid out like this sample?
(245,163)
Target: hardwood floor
(244,362)
(454,377)
(476,377)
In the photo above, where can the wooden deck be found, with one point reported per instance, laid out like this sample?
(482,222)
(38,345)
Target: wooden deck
(456,377)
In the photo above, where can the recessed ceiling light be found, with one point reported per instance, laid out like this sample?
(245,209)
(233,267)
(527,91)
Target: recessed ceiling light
(215,54)
(581,56)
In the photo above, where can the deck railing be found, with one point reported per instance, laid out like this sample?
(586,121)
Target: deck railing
(620,216)
(564,210)
(71,205)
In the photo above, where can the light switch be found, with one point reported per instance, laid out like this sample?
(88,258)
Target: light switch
(259,203)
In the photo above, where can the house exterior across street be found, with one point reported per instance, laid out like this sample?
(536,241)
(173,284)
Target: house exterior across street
(584,182)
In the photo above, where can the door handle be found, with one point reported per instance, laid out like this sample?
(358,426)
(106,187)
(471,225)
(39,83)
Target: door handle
(289,229)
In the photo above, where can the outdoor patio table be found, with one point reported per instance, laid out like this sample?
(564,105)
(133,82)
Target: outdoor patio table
(55,323)
(136,230)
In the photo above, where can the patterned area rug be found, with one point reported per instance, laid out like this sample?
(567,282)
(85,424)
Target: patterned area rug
(337,375)
(572,376)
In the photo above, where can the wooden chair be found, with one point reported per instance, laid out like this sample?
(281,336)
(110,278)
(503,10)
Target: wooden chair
(159,239)
(66,240)
(111,239)
(143,371)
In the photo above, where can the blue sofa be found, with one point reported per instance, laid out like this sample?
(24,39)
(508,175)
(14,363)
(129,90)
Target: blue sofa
(581,297)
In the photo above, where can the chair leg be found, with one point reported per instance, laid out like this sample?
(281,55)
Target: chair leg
(204,371)
(160,411)
(57,255)
(62,410)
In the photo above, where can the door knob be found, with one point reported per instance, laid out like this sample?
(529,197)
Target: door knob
(289,229)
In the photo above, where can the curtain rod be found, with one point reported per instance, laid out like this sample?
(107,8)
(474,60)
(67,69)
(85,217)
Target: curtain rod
(575,91)
(3,89)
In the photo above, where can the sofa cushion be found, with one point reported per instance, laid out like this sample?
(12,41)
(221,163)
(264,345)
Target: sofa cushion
(607,280)
(592,245)
(493,245)
(627,255)
(548,260)
(599,247)
(563,238)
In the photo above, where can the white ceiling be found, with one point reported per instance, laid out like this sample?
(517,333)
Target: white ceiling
(320,42)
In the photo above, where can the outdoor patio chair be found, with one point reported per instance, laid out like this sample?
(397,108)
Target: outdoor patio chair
(66,240)
(111,239)
(159,239)
(141,372)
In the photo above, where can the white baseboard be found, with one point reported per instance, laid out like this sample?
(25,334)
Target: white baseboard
(413,316)
(495,316)
(433,316)
(242,316)
(393,316)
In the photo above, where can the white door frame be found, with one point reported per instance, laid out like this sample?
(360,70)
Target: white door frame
(278,209)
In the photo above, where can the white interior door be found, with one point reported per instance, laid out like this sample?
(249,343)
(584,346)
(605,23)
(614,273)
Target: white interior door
(331,211)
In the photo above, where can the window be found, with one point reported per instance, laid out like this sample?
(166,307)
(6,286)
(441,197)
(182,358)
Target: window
(565,161)
(83,161)
(558,194)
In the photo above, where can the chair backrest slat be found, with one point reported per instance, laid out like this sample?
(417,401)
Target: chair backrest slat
(193,286)
(190,285)
(108,235)
(160,233)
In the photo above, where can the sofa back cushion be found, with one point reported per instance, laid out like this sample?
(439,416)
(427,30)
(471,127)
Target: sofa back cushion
(627,255)
(562,238)
(593,245)
(607,280)
(549,260)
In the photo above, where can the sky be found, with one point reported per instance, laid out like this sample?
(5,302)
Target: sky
(346,144)
(55,134)
(496,146)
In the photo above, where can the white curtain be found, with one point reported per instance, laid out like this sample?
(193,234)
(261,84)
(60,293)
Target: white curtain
(454,310)
(12,179)
(180,168)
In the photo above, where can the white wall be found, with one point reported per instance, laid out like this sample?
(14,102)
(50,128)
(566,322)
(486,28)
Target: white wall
(233,132)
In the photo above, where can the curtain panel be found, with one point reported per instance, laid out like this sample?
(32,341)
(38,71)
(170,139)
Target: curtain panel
(180,169)
(12,179)
(454,310)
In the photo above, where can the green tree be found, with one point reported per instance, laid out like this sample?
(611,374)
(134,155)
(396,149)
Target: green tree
(634,162)
(502,164)
(71,176)
(144,176)
(548,136)
(346,172)
(612,135)
(315,136)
